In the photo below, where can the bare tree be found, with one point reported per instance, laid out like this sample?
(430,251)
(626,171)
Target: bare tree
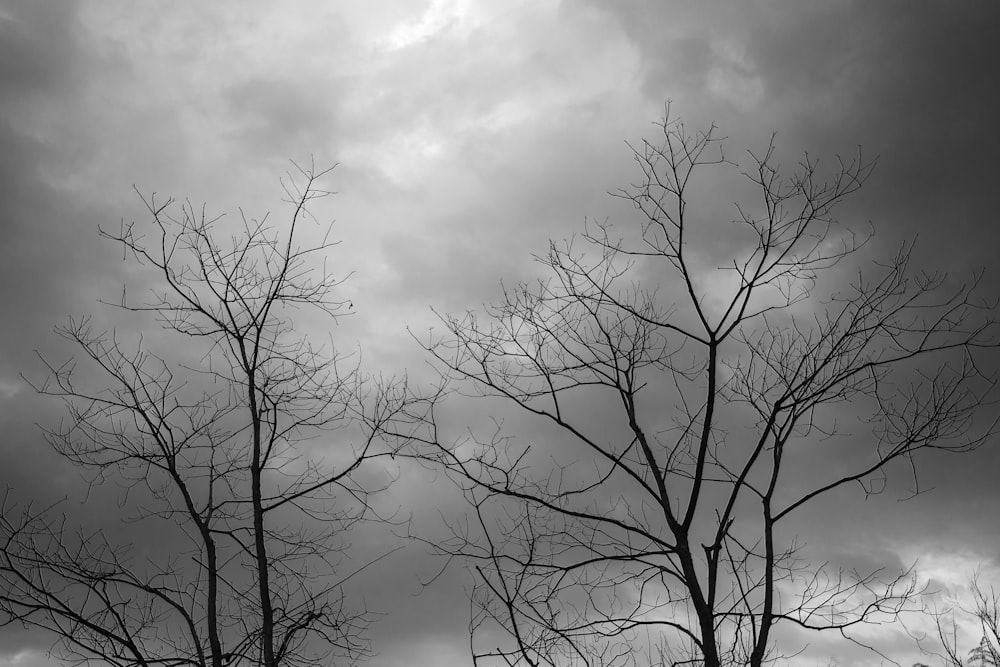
(675,406)
(207,445)
(985,609)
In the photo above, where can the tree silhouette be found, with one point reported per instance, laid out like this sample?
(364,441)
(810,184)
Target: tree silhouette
(986,610)
(677,400)
(210,452)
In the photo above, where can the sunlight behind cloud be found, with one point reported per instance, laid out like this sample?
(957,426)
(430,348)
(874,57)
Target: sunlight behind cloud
(441,15)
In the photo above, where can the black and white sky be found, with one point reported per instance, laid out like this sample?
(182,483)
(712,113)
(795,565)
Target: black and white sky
(467,133)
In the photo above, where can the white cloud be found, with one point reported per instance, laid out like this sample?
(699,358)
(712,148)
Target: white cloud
(439,16)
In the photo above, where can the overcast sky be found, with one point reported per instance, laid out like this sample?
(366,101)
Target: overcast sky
(467,133)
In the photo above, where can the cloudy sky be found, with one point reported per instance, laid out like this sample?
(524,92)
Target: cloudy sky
(467,133)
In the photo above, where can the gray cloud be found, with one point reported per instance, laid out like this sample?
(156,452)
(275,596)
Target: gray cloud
(463,150)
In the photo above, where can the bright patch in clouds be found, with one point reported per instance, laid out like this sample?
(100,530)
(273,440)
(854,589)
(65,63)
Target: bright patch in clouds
(26,658)
(441,15)
(951,569)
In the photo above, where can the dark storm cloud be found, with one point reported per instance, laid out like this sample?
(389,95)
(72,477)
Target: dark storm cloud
(468,137)
(48,235)
(29,64)
(49,225)
(44,240)
(912,87)
(909,86)
(33,72)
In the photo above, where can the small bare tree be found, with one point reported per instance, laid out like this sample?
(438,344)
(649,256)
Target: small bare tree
(646,525)
(206,440)
(985,609)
